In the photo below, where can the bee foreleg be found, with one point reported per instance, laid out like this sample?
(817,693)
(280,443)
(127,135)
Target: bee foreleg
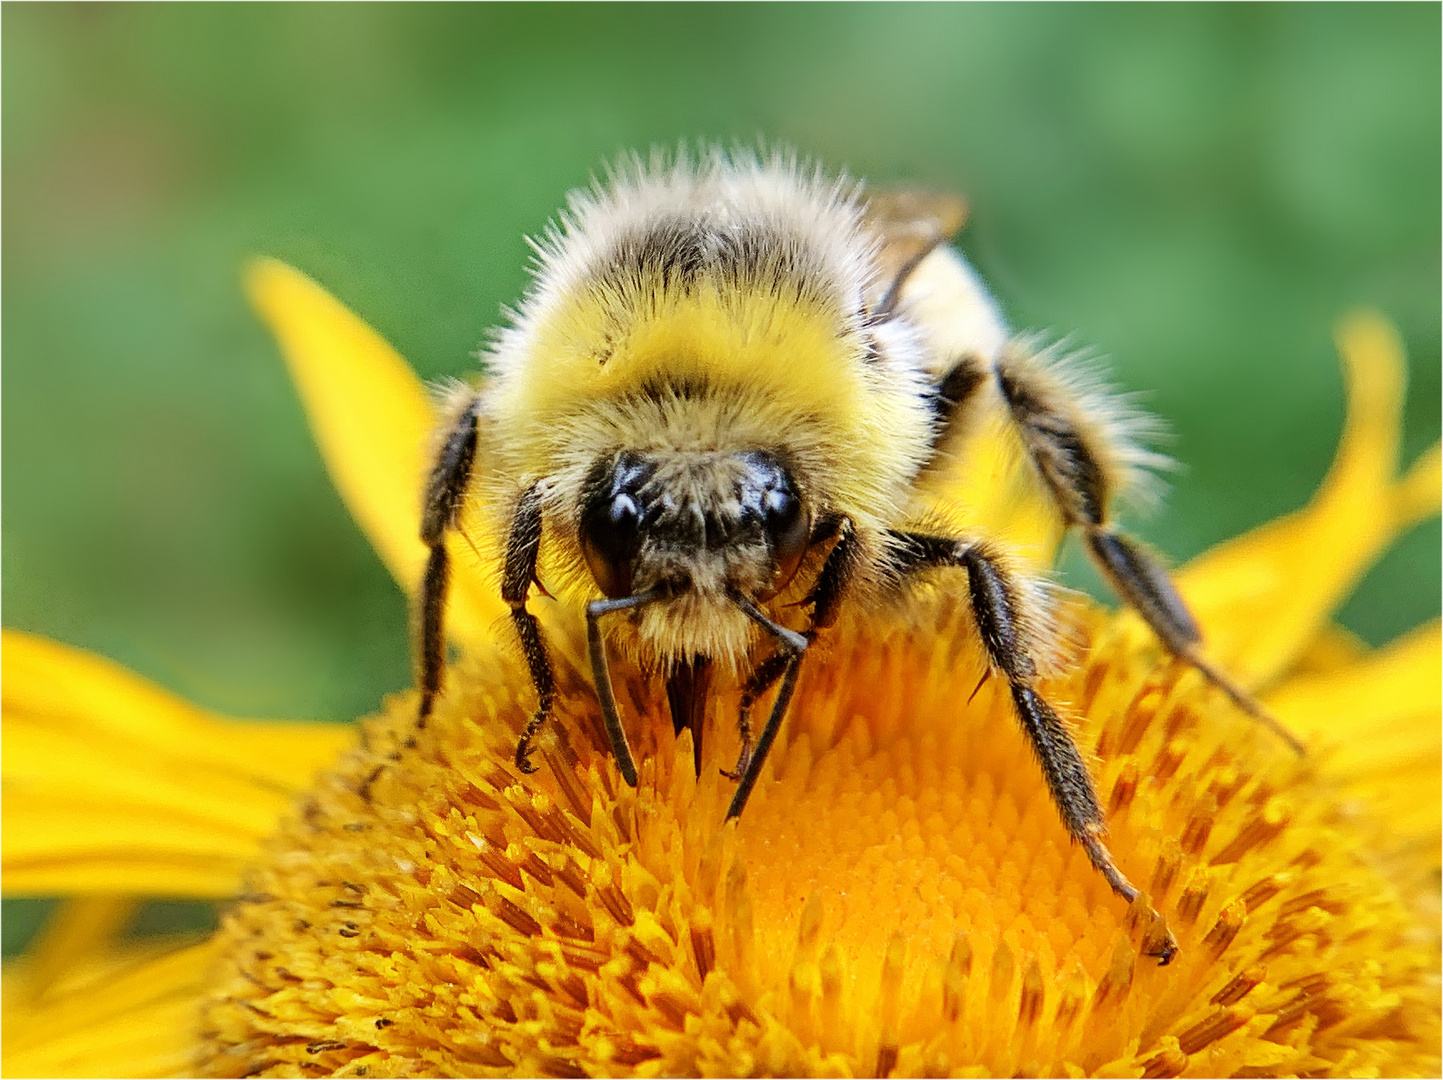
(1003,620)
(793,645)
(762,679)
(842,564)
(826,596)
(441,507)
(1069,456)
(519,570)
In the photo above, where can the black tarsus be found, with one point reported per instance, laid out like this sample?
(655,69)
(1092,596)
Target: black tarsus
(432,644)
(1145,585)
(763,677)
(826,596)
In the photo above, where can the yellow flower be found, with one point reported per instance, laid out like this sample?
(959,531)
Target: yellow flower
(899,897)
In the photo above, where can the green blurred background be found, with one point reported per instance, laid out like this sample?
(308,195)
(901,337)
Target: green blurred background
(1199,192)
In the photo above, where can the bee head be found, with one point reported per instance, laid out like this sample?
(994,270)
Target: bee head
(718,524)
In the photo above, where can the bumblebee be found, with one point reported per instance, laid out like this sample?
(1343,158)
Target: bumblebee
(721,406)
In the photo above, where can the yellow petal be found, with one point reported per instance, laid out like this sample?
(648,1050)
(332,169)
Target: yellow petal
(1263,597)
(54,845)
(111,784)
(128,1018)
(80,926)
(372,421)
(1377,726)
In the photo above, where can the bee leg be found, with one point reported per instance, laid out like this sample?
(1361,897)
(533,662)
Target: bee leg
(793,645)
(519,570)
(762,679)
(825,598)
(841,566)
(1004,623)
(1068,457)
(444,496)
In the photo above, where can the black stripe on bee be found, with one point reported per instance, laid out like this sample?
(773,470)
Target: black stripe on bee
(682,251)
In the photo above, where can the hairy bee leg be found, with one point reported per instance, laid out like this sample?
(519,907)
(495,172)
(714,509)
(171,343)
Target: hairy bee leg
(519,570)
(758,758)
(441,506)
(763,677)
(843,562)
(1001,618)
(794,646)
(431,646)
(1137,578)
(1068,460)
(825,598)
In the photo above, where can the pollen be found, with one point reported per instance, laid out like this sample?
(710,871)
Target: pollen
(899,898)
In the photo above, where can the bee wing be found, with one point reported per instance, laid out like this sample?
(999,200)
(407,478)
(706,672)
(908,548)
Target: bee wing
(910,224)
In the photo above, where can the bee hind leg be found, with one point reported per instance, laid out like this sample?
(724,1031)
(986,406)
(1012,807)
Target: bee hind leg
(1077,465)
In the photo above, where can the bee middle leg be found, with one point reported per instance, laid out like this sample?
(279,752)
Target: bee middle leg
(1005,624)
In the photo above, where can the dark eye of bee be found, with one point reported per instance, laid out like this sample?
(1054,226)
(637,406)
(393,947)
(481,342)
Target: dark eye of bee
(610,540)
(611,523)
(787,527)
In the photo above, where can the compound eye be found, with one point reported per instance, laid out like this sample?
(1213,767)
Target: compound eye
(610,540)
(788,527)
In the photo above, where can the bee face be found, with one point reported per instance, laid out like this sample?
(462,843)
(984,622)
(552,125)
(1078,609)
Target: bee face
(717,524)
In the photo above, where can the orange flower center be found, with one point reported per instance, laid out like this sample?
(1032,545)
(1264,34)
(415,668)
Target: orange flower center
(899,895)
